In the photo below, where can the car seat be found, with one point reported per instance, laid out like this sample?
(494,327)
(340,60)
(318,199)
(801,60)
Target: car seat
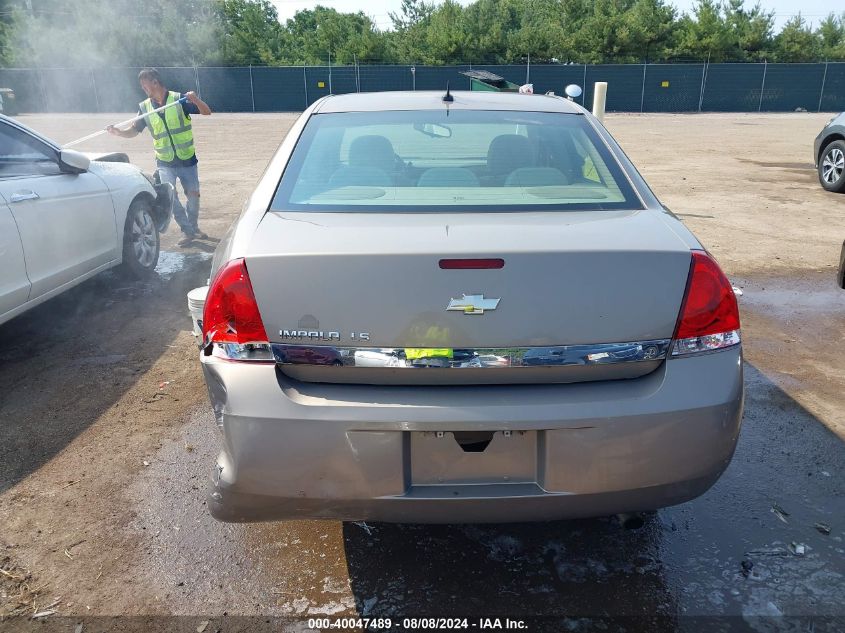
(373,150)
(506,153)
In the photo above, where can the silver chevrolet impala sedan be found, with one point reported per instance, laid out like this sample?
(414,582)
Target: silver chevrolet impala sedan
(463,307)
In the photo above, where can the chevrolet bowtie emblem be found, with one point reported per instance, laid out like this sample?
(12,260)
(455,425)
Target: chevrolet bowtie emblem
(472,304)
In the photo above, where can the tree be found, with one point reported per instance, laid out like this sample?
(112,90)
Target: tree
(652,25)
(251,33)
(796,42)
(320,34)
(10,17)
(625,31)
(410,14)
(125,33)
(831,32)
(750,31)
(406,42)
(536,31)
(489,27)
(241,32)
(704,35)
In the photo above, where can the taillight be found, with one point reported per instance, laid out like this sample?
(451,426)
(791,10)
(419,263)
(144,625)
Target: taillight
(709,318)
(231,321)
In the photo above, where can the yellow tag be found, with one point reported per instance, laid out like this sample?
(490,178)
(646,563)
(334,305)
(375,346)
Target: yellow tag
(664,84)
(322,84)
(589,170)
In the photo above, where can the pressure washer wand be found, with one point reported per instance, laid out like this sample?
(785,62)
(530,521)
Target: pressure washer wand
(127,122)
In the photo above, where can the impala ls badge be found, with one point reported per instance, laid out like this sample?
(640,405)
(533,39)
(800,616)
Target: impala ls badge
(472,304)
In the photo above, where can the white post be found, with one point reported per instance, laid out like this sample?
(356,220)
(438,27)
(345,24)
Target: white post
(642,94)
(251,88)
(824,78)
(43,92)
(584,86)
(197,80)
(599,99)
(703,80)
(94,84)
(357,78)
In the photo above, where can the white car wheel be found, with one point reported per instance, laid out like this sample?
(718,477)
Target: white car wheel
(141,241)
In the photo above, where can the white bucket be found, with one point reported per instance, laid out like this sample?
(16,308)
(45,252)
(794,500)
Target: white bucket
(196,303)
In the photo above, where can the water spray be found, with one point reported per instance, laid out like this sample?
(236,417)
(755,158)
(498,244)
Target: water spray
(127,122)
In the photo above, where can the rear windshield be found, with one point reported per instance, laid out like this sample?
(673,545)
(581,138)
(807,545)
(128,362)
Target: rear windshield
(433,160)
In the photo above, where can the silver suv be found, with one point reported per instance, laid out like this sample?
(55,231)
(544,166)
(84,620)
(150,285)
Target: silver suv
(829,154)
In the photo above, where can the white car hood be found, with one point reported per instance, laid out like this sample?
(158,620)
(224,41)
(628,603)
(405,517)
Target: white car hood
(120,170)
(121,176)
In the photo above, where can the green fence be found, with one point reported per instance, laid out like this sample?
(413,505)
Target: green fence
(631,87)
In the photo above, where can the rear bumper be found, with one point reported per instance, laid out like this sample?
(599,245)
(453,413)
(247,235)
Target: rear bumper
(298,450)
(239,507)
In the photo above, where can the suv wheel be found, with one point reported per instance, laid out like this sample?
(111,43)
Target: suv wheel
(832,167)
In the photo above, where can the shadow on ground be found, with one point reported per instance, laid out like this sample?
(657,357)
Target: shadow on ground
(67,361)
(727,553)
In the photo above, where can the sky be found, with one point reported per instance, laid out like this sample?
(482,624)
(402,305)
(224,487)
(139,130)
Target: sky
(813,10)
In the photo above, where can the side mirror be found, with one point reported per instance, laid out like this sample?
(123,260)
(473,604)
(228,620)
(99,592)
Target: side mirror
(77,161)
(573,91)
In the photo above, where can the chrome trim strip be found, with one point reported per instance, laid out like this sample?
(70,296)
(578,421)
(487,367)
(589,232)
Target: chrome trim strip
(475,358)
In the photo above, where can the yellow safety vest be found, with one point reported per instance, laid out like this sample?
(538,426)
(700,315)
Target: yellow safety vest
(415,353)
(172,135)
(433,335)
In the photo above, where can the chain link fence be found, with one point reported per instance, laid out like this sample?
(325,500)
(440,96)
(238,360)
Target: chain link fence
(631,87)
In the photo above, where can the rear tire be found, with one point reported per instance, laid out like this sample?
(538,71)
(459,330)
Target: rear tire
(141,242)
(832,167)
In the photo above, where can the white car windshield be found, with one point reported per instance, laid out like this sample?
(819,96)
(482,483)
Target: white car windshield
(465,160)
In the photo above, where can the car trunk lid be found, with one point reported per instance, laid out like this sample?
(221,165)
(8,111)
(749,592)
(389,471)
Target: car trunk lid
(374,283)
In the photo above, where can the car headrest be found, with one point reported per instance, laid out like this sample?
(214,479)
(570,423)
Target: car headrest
(508,152)
(374,151)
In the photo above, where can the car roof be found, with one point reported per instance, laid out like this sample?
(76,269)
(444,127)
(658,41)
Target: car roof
(433,100)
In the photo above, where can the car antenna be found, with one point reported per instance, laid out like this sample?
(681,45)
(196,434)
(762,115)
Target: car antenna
(448,98)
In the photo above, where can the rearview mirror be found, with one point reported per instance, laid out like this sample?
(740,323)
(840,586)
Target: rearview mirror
(77,161)
(434,130)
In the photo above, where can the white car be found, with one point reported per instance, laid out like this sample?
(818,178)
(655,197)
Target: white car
(66,216)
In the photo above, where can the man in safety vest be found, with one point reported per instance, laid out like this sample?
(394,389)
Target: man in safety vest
(173,142)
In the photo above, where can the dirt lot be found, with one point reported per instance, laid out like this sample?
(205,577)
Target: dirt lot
(106,438)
